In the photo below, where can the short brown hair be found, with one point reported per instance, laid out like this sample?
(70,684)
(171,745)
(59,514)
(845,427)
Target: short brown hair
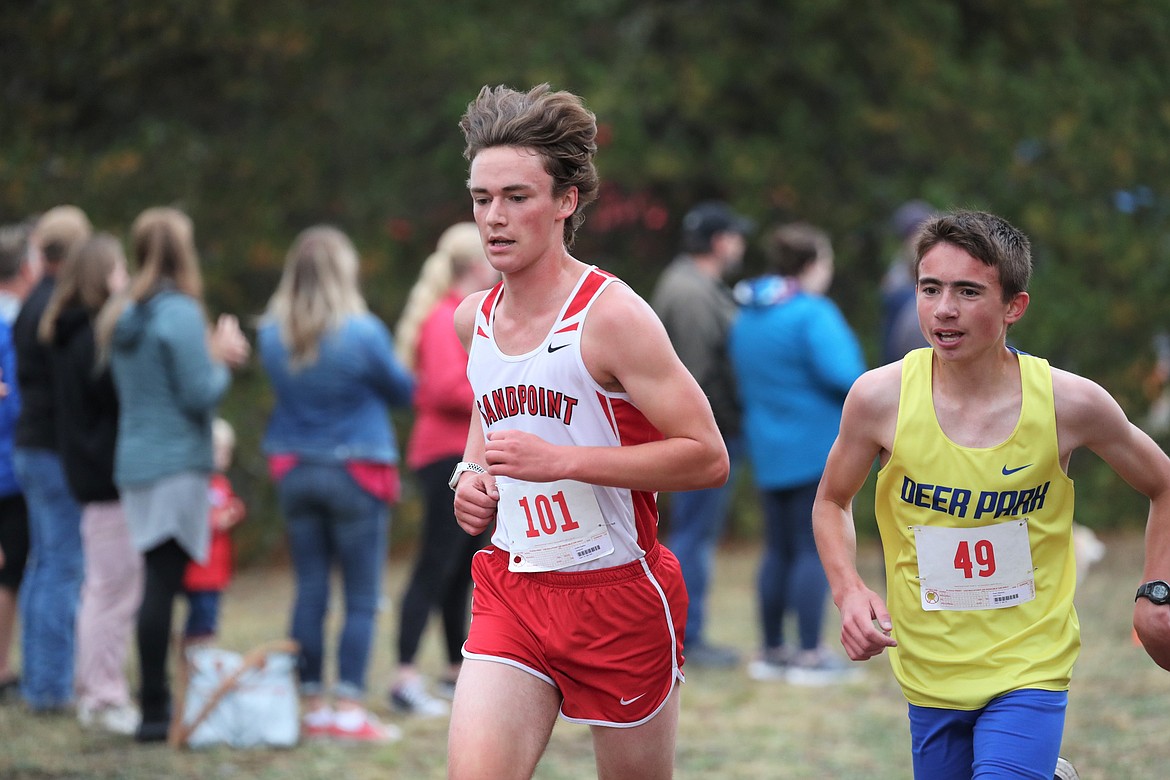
(556,125)
(991,240)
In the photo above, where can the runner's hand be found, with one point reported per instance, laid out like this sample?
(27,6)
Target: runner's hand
(476,498)
(865,625)
(521,455)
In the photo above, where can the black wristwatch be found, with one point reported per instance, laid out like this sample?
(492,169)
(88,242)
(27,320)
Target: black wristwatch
(1157,591)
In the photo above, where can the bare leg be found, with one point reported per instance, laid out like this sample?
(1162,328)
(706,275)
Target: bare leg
(501,721)
(643,752)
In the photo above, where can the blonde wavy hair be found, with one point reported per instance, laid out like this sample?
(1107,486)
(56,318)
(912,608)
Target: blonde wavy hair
(458,251)
(318,290)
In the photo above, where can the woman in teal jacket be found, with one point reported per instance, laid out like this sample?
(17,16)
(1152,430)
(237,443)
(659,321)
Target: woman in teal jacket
(170,376)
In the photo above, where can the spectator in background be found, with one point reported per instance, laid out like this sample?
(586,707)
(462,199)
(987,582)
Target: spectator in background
(204,583)
(86,406)
(695,304)
(795,358)
(171,371)
(428,345)
(900,331)
(333,455)
(52,577)
(19,271)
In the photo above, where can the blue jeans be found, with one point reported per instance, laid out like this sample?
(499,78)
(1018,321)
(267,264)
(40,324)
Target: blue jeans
(791,578)
(331,521)
(1016,735)
(51,589)
(202,614)
(697,519)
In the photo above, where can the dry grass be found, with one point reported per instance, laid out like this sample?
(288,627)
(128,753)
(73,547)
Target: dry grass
(731,727)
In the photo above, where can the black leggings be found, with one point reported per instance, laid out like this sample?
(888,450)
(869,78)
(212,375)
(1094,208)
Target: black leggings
(442,568)
(165,566)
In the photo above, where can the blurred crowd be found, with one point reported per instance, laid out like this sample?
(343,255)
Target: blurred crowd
(115,504)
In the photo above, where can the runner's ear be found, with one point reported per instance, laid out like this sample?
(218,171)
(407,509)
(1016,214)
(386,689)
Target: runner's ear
(1016,308)
(568,203)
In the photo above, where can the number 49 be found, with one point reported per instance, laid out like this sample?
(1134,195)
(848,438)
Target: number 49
(984,558)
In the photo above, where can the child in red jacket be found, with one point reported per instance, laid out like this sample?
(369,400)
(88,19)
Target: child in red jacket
(204,583)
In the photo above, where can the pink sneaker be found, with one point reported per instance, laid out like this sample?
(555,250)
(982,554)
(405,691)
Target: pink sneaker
(314,731)
(361,726)
(317,724)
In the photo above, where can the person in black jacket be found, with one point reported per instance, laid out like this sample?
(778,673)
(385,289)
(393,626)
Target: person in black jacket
(86,405)
(52,577)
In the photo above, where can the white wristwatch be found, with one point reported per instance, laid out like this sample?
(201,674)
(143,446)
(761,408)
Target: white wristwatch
(461,467)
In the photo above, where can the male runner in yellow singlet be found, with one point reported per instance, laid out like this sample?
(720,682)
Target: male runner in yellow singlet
(975,512)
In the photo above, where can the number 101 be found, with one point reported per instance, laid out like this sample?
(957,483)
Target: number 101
(544,515)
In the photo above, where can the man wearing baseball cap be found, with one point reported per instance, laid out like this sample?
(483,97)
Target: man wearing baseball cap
(695,304)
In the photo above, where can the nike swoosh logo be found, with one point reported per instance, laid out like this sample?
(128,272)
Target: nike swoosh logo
(626,702)
(552,349)
(1008,472)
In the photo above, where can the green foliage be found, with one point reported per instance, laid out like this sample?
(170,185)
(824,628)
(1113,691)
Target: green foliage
(263,118)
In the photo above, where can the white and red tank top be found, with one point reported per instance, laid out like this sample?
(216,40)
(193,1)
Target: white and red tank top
(548,392)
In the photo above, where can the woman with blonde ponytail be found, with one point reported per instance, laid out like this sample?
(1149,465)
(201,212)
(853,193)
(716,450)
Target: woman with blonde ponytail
(442,403)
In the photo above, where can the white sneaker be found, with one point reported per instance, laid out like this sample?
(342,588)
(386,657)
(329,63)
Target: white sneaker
(820,667)
(362,726)
(1065,770)
(411,698)
(771,665)
(317,724)
(114,718)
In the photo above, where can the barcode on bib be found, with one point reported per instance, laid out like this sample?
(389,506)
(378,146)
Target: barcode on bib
(584,551)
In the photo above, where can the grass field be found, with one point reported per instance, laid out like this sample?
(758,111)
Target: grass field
(731,727)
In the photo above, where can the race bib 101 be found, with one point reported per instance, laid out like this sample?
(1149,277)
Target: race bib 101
(551,525)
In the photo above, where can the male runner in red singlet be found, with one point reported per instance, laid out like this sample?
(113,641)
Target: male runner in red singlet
(584,412)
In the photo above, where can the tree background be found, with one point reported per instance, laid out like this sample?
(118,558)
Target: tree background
(261,118)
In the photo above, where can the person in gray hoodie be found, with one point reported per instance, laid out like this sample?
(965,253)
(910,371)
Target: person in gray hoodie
(170,376)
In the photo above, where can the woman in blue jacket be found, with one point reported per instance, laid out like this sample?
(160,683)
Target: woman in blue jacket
(332,451)
(795,358)
(170,374)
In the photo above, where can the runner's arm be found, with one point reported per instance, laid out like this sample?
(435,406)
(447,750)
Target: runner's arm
(858,444)
(625,348)
(1088,416)
(476,496)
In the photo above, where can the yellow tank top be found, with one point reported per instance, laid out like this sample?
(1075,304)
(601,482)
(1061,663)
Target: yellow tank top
(971,512)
